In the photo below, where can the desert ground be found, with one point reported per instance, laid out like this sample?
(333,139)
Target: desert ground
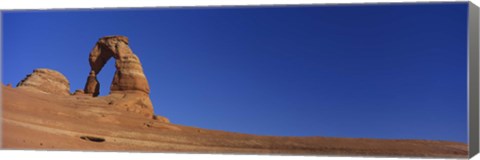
(40,121)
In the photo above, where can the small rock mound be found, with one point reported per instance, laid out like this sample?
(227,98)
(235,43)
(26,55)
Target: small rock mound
(47,81)
(78,92)
(160,119)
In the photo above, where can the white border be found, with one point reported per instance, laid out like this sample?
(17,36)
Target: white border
(78,155)
(87,4)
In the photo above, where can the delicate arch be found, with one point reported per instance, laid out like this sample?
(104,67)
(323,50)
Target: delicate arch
(129,74)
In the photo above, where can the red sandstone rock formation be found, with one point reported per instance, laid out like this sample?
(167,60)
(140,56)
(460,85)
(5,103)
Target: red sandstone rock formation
(129,74)
(46,81)
(129,89)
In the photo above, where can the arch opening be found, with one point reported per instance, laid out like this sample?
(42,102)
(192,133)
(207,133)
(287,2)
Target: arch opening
(106,77)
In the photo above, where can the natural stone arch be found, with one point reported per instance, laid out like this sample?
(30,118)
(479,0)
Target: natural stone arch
(128,75)
(129,89)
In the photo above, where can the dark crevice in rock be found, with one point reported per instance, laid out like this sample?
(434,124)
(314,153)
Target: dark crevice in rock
(93,139)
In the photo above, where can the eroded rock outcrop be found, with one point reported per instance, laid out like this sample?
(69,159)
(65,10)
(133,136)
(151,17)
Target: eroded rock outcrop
(129,74)
(129,89)
(47,81)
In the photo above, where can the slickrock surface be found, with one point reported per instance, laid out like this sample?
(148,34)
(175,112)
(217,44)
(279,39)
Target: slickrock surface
(42,121)
(46,81)
(41,114)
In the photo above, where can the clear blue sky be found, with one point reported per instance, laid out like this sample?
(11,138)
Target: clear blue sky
(372,71)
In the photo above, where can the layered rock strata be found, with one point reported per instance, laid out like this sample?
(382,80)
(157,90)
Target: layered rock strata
(46,81)
(129,74)
(129,89)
